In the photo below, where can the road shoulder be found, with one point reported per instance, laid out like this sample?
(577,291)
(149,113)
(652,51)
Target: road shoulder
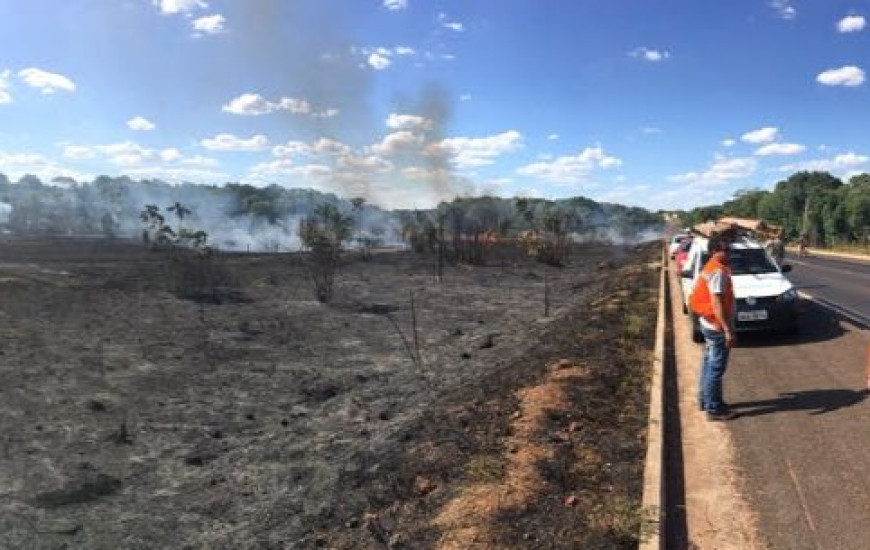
(717,515)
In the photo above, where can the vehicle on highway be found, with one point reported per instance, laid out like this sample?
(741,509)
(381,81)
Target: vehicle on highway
(674,243)
(682,253)
(766,299)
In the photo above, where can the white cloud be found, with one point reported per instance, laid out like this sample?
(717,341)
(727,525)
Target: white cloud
(248,104)
(472,152)
(368,164)
(295,106)
(851,23)
(571,169)
(784,9)
(326,146)
(171,7)
(720,172)
(648,54)
(379,62)
(395,5)
(464,97)
(839,164)
(211,24)
(381,57)
(762,135)
(780,149)
(403,140)
(16,165)
(447,24)
(45,81)
(649,130)
(408,122)
(553,137)
(254,104)
(844,76)
(728,142)
(134,157)
(5,97)
(229,142)
(141,124)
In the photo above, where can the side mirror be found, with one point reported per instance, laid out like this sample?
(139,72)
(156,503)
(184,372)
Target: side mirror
(785,268)
(686,274)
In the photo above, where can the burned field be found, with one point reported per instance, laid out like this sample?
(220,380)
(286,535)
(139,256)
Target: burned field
(151,400)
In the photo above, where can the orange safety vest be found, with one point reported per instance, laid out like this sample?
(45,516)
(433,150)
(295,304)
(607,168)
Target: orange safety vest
(701,302)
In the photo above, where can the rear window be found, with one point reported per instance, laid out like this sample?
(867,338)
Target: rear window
(752,261)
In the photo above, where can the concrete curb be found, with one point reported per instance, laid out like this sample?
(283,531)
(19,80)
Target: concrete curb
(652,530)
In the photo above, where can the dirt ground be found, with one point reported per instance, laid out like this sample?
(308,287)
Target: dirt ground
(136,412)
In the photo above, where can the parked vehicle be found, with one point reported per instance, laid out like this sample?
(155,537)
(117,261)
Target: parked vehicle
(766,299)
(682,253)
(674,243)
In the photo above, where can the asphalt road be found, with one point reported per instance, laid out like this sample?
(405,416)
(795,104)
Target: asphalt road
(839,282)
(802,431)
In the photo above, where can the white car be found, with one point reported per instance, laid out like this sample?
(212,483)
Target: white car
(766,299)
(674,243)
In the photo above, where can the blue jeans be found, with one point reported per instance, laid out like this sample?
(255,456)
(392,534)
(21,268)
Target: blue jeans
(713,365)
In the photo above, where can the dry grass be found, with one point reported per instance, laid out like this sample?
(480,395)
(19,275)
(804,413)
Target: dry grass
(471,519)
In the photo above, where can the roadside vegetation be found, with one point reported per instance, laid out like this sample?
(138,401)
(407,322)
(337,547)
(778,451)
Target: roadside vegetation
(831,213)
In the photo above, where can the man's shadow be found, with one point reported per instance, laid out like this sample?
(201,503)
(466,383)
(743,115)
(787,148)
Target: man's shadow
(812,401)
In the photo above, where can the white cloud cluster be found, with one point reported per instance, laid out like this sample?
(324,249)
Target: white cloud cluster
(762,135)
(720,172)
(398,142)
(851,23)
(381,57)
(839,164)
(648,54)
(254,104)
(140,124)
(474,152)
(572,168)
(45,81)
(172,7)
(780,149)
(784,9)
(132,156)
(844,76)
(229,142)
(408,122)
(16,165)
(445,22)
(210,24)
(394,5)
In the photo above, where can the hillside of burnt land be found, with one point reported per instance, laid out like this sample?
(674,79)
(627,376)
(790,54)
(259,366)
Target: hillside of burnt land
(503,406)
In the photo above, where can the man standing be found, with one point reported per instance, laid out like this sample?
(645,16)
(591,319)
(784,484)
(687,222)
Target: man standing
(712,300)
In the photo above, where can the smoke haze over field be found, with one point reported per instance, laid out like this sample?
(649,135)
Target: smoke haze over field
(243,217)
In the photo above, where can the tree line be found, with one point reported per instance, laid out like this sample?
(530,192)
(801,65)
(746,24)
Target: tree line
(816,204)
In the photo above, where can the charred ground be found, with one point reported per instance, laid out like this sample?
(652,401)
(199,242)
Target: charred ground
(138,410)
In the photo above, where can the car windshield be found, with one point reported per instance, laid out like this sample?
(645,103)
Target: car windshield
(685,245)
(750,261)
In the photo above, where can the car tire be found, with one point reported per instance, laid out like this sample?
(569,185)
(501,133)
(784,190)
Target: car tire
(685,309)
(695,329)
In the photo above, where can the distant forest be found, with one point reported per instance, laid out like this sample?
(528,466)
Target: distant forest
(237,216)
(817,204)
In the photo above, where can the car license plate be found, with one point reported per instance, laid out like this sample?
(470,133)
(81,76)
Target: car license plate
(755,315)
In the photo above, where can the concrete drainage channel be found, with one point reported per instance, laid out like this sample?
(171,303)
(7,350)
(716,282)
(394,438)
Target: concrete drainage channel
(663,504)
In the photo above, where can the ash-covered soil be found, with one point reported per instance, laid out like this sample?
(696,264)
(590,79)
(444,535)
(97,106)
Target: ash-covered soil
(136,412)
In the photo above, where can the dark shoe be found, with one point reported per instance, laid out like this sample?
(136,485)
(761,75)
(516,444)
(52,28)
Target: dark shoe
(718,416)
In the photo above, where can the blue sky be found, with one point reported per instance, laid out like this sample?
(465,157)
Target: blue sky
(662,104)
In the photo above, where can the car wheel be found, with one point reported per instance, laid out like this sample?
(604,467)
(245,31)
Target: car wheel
(695,328)
(685,309)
